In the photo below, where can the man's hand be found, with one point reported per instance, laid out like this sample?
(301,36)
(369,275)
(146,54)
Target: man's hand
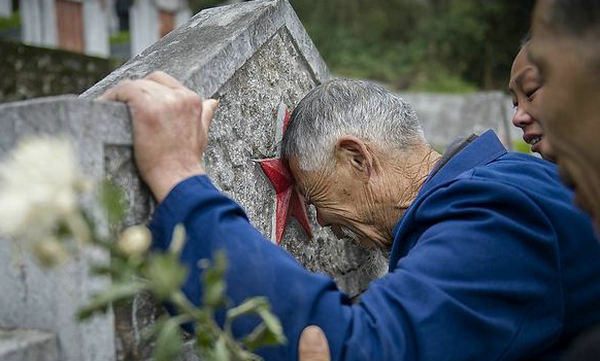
(313,345)
(170,128)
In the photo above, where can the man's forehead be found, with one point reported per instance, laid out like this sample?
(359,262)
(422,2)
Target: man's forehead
(532,54)
(540,35)
(540,14)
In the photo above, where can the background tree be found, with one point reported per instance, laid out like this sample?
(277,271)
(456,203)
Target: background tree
(420,45)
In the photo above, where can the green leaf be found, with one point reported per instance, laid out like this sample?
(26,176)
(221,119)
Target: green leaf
(165,274)
(100,301)
(269,332)
(214,281)
(169,341)
(221,352)
(260,336)
(273,325)
(204,338)
(250,306)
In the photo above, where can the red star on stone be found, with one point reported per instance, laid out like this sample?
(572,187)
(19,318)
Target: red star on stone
(289,201)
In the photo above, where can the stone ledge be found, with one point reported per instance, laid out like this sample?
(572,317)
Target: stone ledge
(21,345)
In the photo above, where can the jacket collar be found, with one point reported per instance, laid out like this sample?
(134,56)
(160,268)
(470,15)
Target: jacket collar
(470,153)
(460,157)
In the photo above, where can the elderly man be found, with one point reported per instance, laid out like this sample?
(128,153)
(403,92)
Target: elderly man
(488,259)
(565,47)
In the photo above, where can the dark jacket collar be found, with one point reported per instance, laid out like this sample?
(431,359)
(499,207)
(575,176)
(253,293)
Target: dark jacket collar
(460,157)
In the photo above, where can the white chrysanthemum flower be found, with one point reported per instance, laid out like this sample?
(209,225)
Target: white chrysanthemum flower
(38,185)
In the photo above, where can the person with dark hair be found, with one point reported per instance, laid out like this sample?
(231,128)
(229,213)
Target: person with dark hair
(527,91)
(565,47)
(489,260)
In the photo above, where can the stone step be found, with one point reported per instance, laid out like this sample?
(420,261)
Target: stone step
(25,345)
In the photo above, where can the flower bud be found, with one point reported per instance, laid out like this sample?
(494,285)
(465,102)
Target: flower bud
(50,252)
(134,241)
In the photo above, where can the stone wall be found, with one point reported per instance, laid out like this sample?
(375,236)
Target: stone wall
(29,72)
(448,116)
(38,299)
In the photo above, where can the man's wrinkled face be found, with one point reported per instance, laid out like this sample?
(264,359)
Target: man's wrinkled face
(342,203)
(568,67)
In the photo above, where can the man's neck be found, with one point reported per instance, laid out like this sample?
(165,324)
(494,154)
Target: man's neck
(408,175)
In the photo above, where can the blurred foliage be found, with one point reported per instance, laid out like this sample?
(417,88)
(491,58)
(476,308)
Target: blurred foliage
(29,71)
(14,21)
(418,45)
(521,146)
(425,45)
(120,37)
(197,5)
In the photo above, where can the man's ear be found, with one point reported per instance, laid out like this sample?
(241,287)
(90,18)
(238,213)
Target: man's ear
(354,152)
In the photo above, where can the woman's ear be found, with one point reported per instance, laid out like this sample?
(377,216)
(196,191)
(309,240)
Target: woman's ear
(353,152)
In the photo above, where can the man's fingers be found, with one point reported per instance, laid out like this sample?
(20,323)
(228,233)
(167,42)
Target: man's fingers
(208,110)
(131,91)
(313,345)
(164,79)
(112,94)
(126,90)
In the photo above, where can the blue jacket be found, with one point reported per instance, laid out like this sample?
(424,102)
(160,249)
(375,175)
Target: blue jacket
(490,262)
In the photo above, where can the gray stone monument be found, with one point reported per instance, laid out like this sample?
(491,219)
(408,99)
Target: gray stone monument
(19,345)
(38,299)
(258,60)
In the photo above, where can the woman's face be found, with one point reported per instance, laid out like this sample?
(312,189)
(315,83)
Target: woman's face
(526,91)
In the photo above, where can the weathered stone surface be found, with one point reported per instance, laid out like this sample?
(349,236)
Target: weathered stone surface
(36,298)
(208,50)
(28,71)
(24,345)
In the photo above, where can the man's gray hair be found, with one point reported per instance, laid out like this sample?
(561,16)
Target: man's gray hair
(348,107)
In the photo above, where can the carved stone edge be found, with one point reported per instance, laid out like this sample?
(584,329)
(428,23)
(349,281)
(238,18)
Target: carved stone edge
(203,77)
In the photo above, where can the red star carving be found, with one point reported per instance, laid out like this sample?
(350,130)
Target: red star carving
(289,201)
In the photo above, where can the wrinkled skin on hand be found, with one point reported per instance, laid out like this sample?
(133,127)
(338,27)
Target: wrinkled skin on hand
(170,128)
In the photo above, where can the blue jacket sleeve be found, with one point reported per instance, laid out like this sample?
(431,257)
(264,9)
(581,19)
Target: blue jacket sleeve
(471,287)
